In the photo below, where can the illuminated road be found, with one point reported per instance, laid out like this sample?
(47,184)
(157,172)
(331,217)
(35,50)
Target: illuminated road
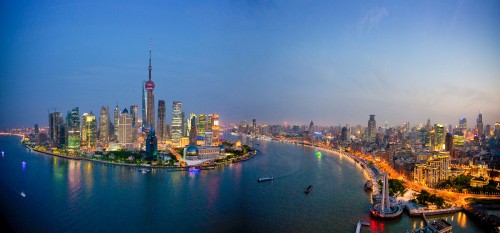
(456,198)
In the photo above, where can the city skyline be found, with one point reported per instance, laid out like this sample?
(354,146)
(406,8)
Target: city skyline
(267,61)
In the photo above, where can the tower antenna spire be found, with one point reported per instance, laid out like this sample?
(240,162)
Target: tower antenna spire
(150,68)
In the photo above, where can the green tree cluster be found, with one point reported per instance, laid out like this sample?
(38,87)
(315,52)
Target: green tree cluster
(424,198)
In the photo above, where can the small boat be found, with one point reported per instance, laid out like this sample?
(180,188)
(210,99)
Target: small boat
(264,179)
(144,171)
(23,194)
(308,189)
(365,223)
(194,170)
(368,185)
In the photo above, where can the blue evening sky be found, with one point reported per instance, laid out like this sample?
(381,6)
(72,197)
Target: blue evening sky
(333,62)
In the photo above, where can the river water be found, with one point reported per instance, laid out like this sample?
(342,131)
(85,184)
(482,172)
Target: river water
(81,196)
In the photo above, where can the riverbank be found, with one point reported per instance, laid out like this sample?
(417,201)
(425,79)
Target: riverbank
(170,168)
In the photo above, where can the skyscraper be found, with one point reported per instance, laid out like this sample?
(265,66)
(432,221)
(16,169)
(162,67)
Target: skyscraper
(73,127)
(184,125)
(254,126)
(439,136)
(191,117)
(104,126)
(133,113)
(150,107)
(202,124)
(311,132)
(125,129)
(161,120)
(176,121)
(91,126)
(55,119)
(462,124)
(193,132)
(83,130)
(479,125)
(372,128)
(115,122)
(144,104)
(215,129)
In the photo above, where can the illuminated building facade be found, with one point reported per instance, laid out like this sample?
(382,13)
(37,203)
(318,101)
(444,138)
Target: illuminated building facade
(215,129)
(89,131)
(104,126)
(176,121)
(434,171)
(73,127)
(202,125)
(439,137)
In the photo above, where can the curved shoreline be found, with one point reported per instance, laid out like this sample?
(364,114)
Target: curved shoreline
(170,168)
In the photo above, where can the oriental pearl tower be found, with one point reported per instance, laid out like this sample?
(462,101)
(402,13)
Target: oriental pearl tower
(150,86)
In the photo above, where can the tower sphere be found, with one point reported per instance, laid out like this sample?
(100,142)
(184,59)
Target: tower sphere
(150,85)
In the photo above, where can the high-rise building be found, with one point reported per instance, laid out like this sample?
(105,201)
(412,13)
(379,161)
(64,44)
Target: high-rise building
(37,130)
(191,117)
(115,122)
(214,122)
(497,129)
(73,128)
(193,132)
(125,129)
(184,125)
(144,104)
(202,125)
(134,109)
(449,142)
(83,130)
(162,112)
(104,126)
(254,126)
(91,131)
(439,137)
(151,145)
(55,120)
(462,124)
(311,132)
(176,121)
(372,129)
(61,136)
(479,125)
(150,107)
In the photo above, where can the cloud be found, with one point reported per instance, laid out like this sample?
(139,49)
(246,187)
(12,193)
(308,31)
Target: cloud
(373,17)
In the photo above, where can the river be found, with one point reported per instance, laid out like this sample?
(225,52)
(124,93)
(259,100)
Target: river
(81,196)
